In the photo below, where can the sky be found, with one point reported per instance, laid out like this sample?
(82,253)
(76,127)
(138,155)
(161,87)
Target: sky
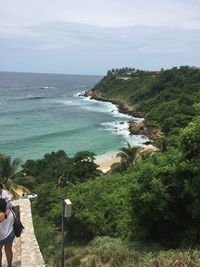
(93,36)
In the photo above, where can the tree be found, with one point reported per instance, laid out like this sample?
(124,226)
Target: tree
(8,168)
(128,154)
(165,195)
(84,166)
(157,207)
(58,167)
(50,167)
(190,139)
(8,172)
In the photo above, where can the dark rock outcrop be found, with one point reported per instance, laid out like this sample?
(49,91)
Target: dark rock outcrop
(135,127)
(141,127)
(122,106)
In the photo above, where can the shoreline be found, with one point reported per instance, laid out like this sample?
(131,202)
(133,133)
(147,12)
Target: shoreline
(105,161)
(135,128)
(121,105)
(153,133)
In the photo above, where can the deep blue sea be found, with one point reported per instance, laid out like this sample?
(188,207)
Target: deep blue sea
(41,113)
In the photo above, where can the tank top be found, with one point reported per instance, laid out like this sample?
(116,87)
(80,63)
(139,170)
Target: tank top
(6,226)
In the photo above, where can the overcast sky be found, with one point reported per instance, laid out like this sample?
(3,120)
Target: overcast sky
(92,36)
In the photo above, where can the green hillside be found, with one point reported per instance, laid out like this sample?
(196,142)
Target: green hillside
(166,97)
(144,212)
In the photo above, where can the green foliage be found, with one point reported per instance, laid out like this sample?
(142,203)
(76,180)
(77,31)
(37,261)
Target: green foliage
(190,139)
(44,230)
(26,181)
(113,251)
(106,251)
(61,169)
(9,171)
(165,195)
(100,207)
(150,198)
(84,166)
(128,154)
(166,97)
(157,199)
(8,168)
(50,168)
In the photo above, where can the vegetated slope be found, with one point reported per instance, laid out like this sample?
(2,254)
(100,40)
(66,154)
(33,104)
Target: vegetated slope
(166,97)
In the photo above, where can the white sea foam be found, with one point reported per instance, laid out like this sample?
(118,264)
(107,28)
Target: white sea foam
(47,87)
(118,127)
(71,102)
(122,128)
(104,107)
(79,94)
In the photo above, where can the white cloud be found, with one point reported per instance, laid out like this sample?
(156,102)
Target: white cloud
(75,36)
(79,48)
(108,13)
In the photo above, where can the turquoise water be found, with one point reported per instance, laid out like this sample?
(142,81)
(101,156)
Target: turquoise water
(41,113)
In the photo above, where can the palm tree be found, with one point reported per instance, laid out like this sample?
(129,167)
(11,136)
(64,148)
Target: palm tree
(128,154)
(131,155)
(8,172)
(8,168)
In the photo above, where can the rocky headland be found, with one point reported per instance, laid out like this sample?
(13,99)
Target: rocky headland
(122,106)
(135,127)
(142,127)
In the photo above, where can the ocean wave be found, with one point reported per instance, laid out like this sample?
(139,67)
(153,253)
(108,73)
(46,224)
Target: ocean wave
(82,93)
(104,107)
(117,127)
(23,112)
(46,137)
(34,97)
(70,102)
(92,105)
(78,94)
(29,98)
(122,128)
(47,87)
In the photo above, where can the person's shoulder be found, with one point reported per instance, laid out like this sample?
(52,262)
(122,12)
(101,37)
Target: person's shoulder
(4,192)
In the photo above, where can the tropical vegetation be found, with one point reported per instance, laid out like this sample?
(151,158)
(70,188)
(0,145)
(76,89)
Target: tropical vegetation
(145,212)
(9,171)
(166,97)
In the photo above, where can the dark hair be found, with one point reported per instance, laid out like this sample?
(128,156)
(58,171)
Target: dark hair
(3,205)
(1,186)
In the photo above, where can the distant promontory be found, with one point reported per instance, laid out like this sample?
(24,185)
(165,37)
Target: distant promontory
(164,98)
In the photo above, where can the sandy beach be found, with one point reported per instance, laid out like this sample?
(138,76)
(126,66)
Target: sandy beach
(105,162)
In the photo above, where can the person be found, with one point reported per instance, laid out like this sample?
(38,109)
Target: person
(5,195)
(6,232)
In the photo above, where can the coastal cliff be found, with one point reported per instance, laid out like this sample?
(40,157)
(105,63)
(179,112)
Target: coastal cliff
(165,98)
(123,107)
(135,127)
(141,127)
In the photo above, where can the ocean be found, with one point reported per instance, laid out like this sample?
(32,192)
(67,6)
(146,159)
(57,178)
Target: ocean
(41,113)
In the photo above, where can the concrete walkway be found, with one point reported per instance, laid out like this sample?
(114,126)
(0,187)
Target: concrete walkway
(16,254)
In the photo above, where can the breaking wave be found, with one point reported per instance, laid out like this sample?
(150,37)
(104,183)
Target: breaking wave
(122,128)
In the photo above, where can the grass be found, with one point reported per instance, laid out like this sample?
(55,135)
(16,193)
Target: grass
(112,252)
